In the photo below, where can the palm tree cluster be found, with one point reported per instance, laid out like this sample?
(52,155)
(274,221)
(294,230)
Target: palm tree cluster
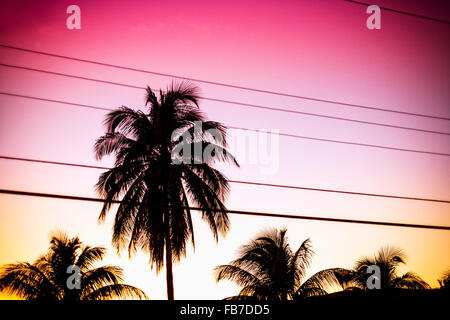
(268,269)
(156,178)
(46,278)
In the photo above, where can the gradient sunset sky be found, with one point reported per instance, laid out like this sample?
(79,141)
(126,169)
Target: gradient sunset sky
(311,48)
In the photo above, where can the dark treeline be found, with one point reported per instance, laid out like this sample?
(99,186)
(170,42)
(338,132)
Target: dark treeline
(266,269)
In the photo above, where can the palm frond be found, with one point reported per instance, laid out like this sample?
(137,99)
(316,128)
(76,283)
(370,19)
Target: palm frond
(116,291)
(236,274)
(209,200)
(110,143)
(444,281)
(26,281)
(410,280)
(325,279)
(89,256)
(127,121)
(182,92)
(301,261)
(309,291)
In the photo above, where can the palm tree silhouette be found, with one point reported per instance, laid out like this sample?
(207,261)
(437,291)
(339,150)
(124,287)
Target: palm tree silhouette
(47,278)
(267,269)
(387,259)
(154,214)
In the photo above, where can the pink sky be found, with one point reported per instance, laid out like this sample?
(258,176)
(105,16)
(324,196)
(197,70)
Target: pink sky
(311,48)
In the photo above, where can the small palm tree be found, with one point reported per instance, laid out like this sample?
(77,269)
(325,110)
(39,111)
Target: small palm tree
(387,259)
(267,269)
(47,278)
(154,185)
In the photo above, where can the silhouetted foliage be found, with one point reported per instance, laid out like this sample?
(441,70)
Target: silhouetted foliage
(388,259)
(444,282)
(154,215)
(46,278)
(268,269)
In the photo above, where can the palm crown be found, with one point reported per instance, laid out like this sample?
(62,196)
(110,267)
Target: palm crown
(388,259)
(46,278)
(268,269)
(156,190)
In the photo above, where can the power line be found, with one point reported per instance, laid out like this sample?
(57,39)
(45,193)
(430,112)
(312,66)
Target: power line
(241,182)
(340,191)
(249,105)
(324,116)
(251,213)
(345,142)
(402,12)
(72,76)
(54,101)
(255,130)
(69,164)
(224,84)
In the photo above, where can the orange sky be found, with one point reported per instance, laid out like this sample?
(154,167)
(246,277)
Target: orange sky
(310,48)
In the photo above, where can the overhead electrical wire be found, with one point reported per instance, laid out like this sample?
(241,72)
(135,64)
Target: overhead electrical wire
(401,12)
(251,129)
(251,213)
(335,102)
(236,103)
(357,193)
(359,144)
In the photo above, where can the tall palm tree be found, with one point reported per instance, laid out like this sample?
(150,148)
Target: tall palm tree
(387,259)
(154,185)
(47,278)
(267,269)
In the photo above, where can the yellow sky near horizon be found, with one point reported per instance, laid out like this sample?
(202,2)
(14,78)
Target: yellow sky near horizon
(193,276)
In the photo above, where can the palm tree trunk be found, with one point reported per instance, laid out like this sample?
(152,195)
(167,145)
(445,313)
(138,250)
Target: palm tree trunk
(169,274)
